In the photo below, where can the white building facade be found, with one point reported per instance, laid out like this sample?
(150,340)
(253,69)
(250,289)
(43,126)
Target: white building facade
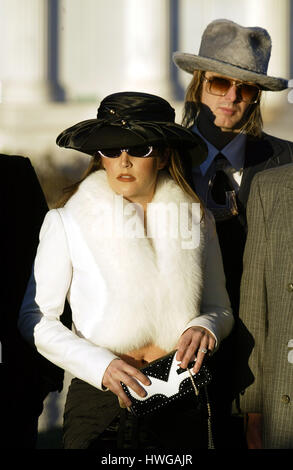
(59,58)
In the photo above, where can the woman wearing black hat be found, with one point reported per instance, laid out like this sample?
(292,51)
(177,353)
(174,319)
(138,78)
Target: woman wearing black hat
(136,293)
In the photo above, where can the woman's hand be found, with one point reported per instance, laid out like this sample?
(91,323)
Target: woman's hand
(119,371)
(194,342)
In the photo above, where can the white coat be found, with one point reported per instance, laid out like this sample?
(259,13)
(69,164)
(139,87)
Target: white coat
(126,290)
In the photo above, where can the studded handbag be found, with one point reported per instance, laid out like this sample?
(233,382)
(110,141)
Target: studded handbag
(169,382)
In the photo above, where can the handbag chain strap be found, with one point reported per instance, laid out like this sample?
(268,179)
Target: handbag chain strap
(196,391)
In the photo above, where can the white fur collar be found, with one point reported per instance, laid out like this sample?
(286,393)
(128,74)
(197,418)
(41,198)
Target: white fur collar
(153,284)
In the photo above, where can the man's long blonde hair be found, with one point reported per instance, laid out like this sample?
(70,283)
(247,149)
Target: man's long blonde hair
(253,125)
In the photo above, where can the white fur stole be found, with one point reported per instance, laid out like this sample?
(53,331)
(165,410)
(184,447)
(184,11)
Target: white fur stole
(153,283)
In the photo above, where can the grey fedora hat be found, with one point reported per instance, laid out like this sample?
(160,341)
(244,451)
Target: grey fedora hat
(235,51)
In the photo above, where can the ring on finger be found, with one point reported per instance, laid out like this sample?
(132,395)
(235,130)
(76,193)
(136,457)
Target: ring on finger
(204,350)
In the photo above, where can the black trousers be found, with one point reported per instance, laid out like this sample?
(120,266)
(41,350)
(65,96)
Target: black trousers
(94,420)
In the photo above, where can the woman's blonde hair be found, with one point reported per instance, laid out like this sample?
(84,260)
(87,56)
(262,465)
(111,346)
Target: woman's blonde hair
(174,168)
(253,125)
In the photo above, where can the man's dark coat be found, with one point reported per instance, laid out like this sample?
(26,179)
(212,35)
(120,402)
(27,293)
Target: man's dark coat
(260,154)
(25,376)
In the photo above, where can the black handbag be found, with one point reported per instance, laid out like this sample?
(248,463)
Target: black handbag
(169,382)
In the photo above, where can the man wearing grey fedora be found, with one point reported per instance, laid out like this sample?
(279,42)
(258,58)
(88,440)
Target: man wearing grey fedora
(222,105)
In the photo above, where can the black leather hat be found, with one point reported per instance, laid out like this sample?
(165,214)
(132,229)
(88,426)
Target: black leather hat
(130,119)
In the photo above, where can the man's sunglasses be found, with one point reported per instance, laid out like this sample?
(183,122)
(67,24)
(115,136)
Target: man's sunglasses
(141,151)
(220,86)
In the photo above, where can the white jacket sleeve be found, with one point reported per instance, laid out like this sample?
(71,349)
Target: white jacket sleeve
(216,313)
(39,320)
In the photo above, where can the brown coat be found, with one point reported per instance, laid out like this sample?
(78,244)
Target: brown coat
(266,306)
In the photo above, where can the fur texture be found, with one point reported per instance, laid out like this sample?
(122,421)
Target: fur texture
(151,287)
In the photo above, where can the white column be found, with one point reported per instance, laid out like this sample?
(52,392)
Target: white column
(275,17)
(146,53)
(24,51)
(91,48)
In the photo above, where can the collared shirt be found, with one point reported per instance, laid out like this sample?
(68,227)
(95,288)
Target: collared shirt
(234,151)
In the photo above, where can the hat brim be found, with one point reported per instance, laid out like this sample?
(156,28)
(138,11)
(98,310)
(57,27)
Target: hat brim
(190,62)
(90,136)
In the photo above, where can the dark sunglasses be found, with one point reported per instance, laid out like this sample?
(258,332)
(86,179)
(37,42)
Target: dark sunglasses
(141,151)
(220,86)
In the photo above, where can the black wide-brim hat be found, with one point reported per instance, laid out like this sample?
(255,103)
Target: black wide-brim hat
(129,119)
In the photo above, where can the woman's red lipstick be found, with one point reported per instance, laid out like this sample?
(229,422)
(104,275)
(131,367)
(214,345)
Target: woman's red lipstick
(126,178)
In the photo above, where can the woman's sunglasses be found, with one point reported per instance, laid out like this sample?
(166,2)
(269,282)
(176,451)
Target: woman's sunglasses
(142,151)
(220,86)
